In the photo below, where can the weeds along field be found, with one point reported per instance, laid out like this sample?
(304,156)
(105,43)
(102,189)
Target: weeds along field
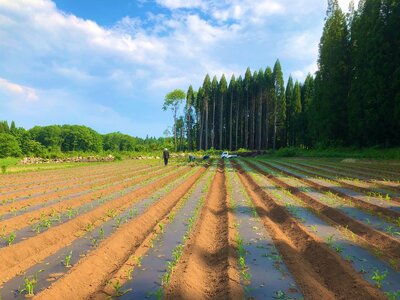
(249,228)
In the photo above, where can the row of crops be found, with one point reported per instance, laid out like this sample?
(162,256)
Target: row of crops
(242,228)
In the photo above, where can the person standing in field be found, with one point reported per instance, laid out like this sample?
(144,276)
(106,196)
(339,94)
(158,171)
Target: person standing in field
(165,156)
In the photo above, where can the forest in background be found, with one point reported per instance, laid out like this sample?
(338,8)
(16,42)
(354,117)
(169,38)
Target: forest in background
(54,140)
(353,100)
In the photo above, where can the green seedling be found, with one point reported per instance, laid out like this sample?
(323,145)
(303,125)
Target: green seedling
(139,261)
(117,288)
(30,283)
(379,277)
(95,242)
(3,169)
(129,273)
(36,228)
(11,238)
(314,228)
(118,222)
(46,223)
(393,295)
(329,240)
(67,260)
(70,213)
(161,226)
(362,270)
(338,248)
(111,213)
(101,234)
(89,227)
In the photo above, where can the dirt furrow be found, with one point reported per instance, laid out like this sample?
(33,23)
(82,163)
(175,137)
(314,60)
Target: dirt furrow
(207,267)
(33,179)
(361,176)
(320,273)
(17,258)
(361,186)
(370,168)
(30,218)
(93,271)
(376,173)
(56,184)
(12,204)
(380,210)
(18,207)
(375,239)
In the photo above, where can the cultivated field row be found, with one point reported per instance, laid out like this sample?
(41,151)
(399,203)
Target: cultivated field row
(267,229)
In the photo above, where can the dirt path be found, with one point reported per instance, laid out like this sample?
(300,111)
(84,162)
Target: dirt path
(320,273)
(206,269)
(92,272)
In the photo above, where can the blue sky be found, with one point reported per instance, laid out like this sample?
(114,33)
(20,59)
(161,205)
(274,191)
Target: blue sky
(108,64)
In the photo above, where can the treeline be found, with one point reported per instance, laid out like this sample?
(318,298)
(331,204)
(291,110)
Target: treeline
(353,99)
(54,140)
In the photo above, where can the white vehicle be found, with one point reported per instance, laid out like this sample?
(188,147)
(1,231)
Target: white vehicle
(227,155)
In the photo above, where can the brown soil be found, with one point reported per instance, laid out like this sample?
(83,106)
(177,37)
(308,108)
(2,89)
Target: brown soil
(206,270)
(45,197)
(30,218)
(333,172)
(66,183)
(122,274)
(17,258)
(357,202)
(93,271)
(374,238)
(320,273)
(44,177)
(350,167)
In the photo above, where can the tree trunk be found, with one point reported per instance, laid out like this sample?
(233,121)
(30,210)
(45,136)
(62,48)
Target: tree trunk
(246,124)
(237,125)
(260,121)
(189,129)
(206,141)
(230,124)
(274,134)
(201,131)
(213,126)
(175,112)
(253,123)
(221,122)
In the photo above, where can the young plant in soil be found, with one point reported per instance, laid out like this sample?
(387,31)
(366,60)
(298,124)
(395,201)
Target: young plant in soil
(29,284)
(379,277)
(101,233)
(117,288)
(11,238)
(67,260)
(394,295)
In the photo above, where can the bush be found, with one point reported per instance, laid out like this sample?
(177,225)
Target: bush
(9,146)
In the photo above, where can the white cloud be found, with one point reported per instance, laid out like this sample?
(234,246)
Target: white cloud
(127,68)
(28,94)
(175,4)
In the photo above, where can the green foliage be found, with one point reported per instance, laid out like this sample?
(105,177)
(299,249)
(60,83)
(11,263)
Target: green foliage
(9,146)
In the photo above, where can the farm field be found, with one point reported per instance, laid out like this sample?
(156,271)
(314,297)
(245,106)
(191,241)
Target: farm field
(253,228)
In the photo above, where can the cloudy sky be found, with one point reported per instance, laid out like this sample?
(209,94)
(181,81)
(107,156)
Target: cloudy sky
(108,64)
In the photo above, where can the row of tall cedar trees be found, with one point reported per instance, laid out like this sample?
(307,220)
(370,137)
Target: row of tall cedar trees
(352,100)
